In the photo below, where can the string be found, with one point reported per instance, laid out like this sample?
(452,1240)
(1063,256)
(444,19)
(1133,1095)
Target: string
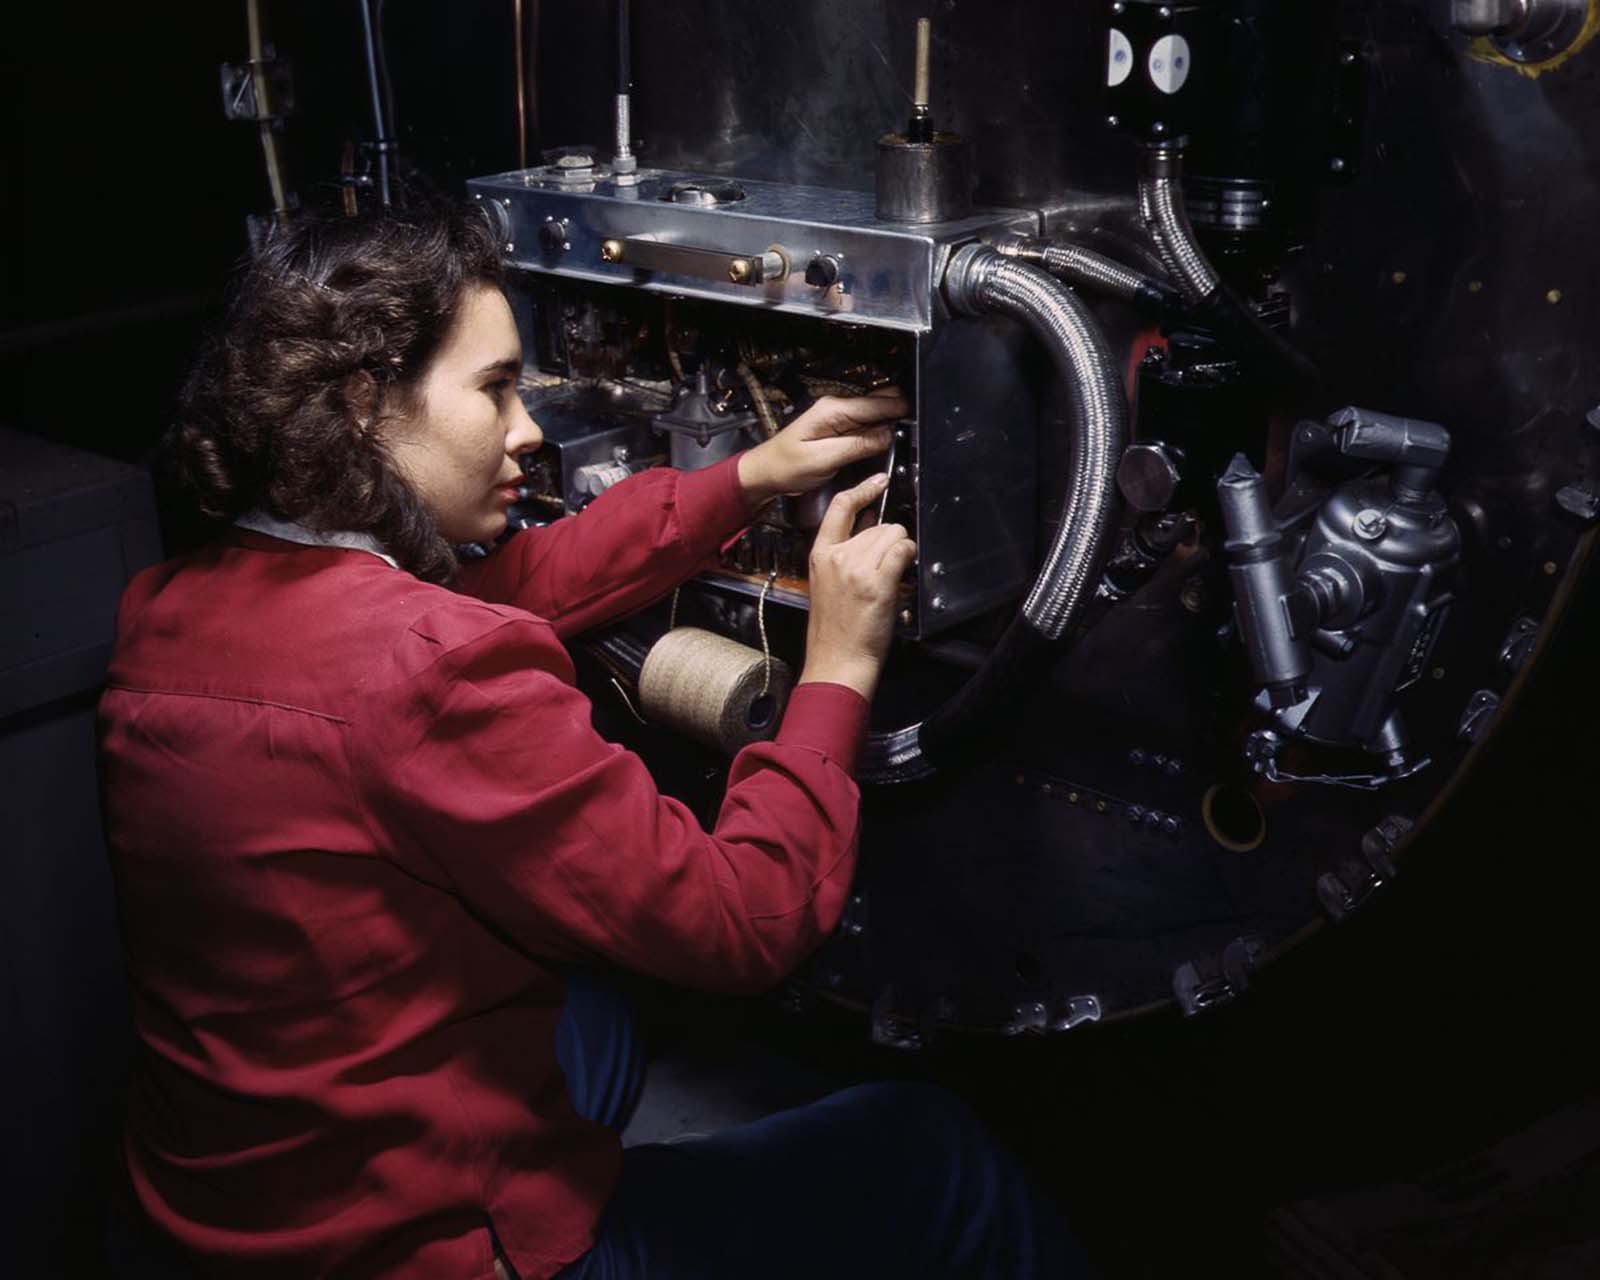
(761,623)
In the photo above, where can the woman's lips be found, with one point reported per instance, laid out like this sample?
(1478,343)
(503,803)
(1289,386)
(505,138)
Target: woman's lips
(508,492)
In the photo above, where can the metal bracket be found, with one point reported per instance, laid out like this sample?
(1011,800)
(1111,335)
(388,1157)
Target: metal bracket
(1481,709)
(1211,981)
(245,83)
(1580,502)
(1035,1018)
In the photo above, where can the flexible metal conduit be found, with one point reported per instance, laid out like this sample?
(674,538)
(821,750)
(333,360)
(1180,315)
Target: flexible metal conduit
(1162,210)
(979,281)
(1085,269)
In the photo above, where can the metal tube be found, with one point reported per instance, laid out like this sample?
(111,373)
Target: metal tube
(1279,658)
(522,85)
(622,160)
(981,281)
(920,95)
(269,141)
(378,125)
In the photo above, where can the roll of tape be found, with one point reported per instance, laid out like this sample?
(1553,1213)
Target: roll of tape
(716,690)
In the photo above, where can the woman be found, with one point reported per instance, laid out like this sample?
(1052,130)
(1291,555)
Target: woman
(359,818)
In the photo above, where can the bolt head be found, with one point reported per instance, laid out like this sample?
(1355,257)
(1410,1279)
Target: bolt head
(938,603)
(1113,121)
(1337,164)
(1370,525)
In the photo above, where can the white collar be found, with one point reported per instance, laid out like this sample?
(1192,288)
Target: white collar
(290,531)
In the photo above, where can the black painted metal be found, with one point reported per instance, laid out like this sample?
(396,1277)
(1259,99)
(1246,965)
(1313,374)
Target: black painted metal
(1448,271)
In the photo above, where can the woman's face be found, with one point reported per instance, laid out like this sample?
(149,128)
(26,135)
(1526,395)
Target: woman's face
(459,448)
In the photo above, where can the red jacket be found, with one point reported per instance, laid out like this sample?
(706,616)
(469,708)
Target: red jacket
(355,818)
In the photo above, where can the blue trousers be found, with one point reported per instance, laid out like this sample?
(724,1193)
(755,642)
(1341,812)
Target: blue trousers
(878,1181)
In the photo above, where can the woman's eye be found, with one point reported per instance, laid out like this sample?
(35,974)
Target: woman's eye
(499,387)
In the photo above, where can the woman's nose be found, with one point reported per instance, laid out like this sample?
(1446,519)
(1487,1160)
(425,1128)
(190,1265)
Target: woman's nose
(524,436)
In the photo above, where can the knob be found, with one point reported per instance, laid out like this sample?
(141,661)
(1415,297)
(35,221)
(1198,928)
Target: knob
(553,235)
(822,272)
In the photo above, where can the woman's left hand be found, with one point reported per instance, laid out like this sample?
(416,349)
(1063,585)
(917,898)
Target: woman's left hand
(829,435)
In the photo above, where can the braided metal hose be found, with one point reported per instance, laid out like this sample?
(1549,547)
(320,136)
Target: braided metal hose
(982,281)
(1084,268)
(1162,210)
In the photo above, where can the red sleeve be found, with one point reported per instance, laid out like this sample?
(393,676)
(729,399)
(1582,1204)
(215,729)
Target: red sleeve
(631,545)
(483,774)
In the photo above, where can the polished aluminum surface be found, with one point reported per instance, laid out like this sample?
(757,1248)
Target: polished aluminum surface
(924,181)
(888,272)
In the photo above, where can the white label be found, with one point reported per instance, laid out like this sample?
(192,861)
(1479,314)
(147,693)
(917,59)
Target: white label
(1169,63)
(1120,64)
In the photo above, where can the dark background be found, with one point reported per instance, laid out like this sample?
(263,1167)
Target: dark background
(1454,1010)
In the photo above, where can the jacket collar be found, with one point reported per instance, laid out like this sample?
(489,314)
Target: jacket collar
(291,531)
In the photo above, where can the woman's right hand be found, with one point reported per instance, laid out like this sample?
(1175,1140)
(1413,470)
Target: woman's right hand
(854,581)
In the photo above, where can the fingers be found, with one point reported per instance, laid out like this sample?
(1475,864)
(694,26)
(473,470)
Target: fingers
(846,505)
(898,556)
(883,544)
(834,416)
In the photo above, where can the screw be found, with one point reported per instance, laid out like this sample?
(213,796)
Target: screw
(1169,824)
(611,251)
(1118,7)
(937,569)
(1370,525)
(1593,417)
(1135,814)
(1337,164)
(1347,59)
(1157,128)
(1164,12)
(937,603)
(905,617)
(1136,757)
(1113,121)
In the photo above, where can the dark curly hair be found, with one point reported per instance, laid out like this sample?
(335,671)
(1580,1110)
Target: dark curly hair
(330,327)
